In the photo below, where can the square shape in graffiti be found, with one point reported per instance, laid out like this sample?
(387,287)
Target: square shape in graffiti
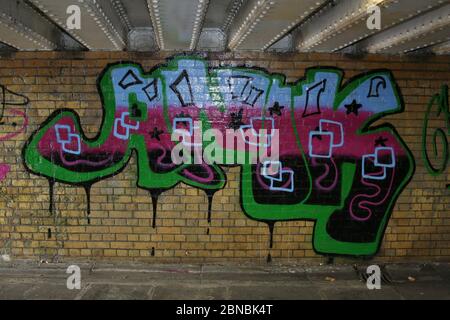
(385,157)
(320,144)
(370,170)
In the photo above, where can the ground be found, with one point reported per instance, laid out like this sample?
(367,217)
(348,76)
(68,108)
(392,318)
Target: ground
(33,280)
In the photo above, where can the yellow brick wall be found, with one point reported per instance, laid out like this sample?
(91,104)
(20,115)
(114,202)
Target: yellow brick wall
(121,224)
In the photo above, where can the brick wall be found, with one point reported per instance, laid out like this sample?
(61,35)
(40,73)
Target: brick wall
(121,214)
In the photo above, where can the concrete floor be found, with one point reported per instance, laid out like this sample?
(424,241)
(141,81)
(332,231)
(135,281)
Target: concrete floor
(31,280)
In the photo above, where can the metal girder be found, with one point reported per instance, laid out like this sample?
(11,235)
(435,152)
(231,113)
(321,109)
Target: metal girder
(134,16)
(218,18)
(212,39)
(101,27)
(346,23)
(24,28)
(141,39)
(420,32)
(232,11)
(177,24)
(261,23)
(6,48)
(218,11)
(134,12)
(122,13)
(442,48)
(215,25)
(282,45)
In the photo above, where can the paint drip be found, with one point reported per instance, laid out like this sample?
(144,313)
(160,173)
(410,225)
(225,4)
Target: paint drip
(210,195)
(51,185)
(271,225)
(87,189)
(154,194)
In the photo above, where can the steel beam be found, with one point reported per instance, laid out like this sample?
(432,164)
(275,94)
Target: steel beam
(261,23)
(24,28)
(177,24)
(101,27)
(422,31)
(346,23)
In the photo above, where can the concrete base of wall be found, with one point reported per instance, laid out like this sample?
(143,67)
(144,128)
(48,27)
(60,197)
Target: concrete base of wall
(30,280)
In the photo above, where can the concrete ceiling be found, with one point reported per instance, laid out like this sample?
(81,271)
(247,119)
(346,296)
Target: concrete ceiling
(407,26)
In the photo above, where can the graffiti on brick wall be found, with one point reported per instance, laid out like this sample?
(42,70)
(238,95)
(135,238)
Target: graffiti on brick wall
(335,168)
(12,121)
(435,149)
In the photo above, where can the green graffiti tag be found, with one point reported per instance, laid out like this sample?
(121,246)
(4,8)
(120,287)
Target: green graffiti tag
(440,157)
(335,168)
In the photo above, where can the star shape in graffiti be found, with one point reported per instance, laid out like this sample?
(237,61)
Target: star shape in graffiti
(156,133)
(353,107)
(381,142)
(236,120)
(276,109)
